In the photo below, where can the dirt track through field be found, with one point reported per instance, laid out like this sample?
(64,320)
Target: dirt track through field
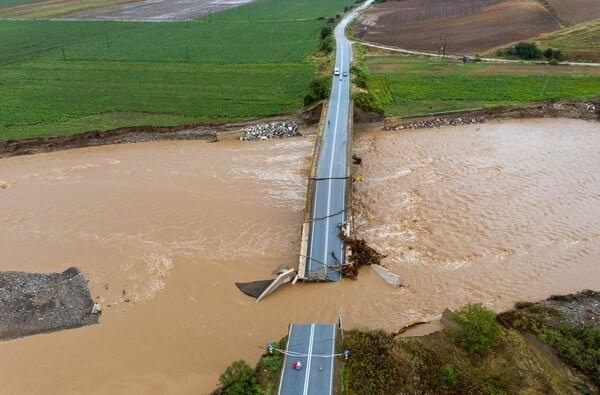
(471,26)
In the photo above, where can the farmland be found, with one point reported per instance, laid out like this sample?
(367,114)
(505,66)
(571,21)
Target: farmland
(579,42)
(70,76)
(575,10)
(416,85)
(470,26)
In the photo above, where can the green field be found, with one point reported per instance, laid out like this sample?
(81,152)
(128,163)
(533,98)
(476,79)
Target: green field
(10,3)
(410,86)
(60,77)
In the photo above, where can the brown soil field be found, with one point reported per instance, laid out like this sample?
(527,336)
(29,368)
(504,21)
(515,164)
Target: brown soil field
(576,10)
(131,10)
(57,8)
(469,26)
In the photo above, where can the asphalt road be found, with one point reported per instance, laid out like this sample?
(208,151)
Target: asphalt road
(313,345)
(325,252)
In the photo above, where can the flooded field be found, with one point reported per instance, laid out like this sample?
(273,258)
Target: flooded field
(494,213)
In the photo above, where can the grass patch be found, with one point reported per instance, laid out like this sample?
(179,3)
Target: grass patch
(580,42)
(60,77)
(576,345)
(437,364)
(410,86)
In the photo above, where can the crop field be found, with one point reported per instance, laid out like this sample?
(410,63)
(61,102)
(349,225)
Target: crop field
(470,26)
(71,76)
(417,85)
(576,10)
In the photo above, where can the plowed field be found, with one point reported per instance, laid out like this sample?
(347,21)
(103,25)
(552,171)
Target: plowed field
(469,26)
(576,10)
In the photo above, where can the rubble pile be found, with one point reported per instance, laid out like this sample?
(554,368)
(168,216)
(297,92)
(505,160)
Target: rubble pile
(439,122)
(264,131)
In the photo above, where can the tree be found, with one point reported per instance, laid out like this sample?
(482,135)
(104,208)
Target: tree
(526,51)
(237,379)
(478,329)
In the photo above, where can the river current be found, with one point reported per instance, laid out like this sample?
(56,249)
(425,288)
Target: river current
(492,213)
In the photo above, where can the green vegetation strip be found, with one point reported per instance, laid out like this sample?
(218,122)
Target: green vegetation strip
(59,77)
(478,357)
(416,86)
(10,3)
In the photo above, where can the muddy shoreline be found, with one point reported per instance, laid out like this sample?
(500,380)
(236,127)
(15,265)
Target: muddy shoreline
(215,131)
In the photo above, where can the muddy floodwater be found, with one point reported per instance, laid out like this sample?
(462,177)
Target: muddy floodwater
(493,213)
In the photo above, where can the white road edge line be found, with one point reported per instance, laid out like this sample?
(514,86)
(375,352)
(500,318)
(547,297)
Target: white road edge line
(285,361)
(308,359)
(337,115)
(332,358)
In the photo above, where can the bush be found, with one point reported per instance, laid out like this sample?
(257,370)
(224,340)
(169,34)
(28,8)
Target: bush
(448,374)
(554,54)
(525,51)
(478,328)
(271,363)
(237,379)
(327,44)
(320,87)
(326,31)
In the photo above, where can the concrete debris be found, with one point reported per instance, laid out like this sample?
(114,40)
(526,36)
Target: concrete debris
(280,269)
(439,122)
(265,131)
(97,309)
(391,278)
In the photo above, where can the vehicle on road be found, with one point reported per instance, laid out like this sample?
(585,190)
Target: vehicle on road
(345,74)
(336,71)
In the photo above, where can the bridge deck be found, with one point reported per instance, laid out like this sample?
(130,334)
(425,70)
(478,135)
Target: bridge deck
(313,345)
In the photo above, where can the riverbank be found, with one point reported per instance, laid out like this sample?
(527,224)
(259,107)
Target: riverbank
(307,123)
(516,360)
(163,230)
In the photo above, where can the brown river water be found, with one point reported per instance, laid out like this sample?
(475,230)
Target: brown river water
(492,213)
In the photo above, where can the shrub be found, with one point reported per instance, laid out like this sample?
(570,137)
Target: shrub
(326,31)
(448,374)
(271,363)
(320,87)
(238,378)
(554,54)
(478,328)
(525,51)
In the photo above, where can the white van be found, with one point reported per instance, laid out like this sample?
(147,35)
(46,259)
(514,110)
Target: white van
(336,71)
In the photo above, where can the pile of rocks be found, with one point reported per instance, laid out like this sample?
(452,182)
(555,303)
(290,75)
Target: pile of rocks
(264,131)
(439,122)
